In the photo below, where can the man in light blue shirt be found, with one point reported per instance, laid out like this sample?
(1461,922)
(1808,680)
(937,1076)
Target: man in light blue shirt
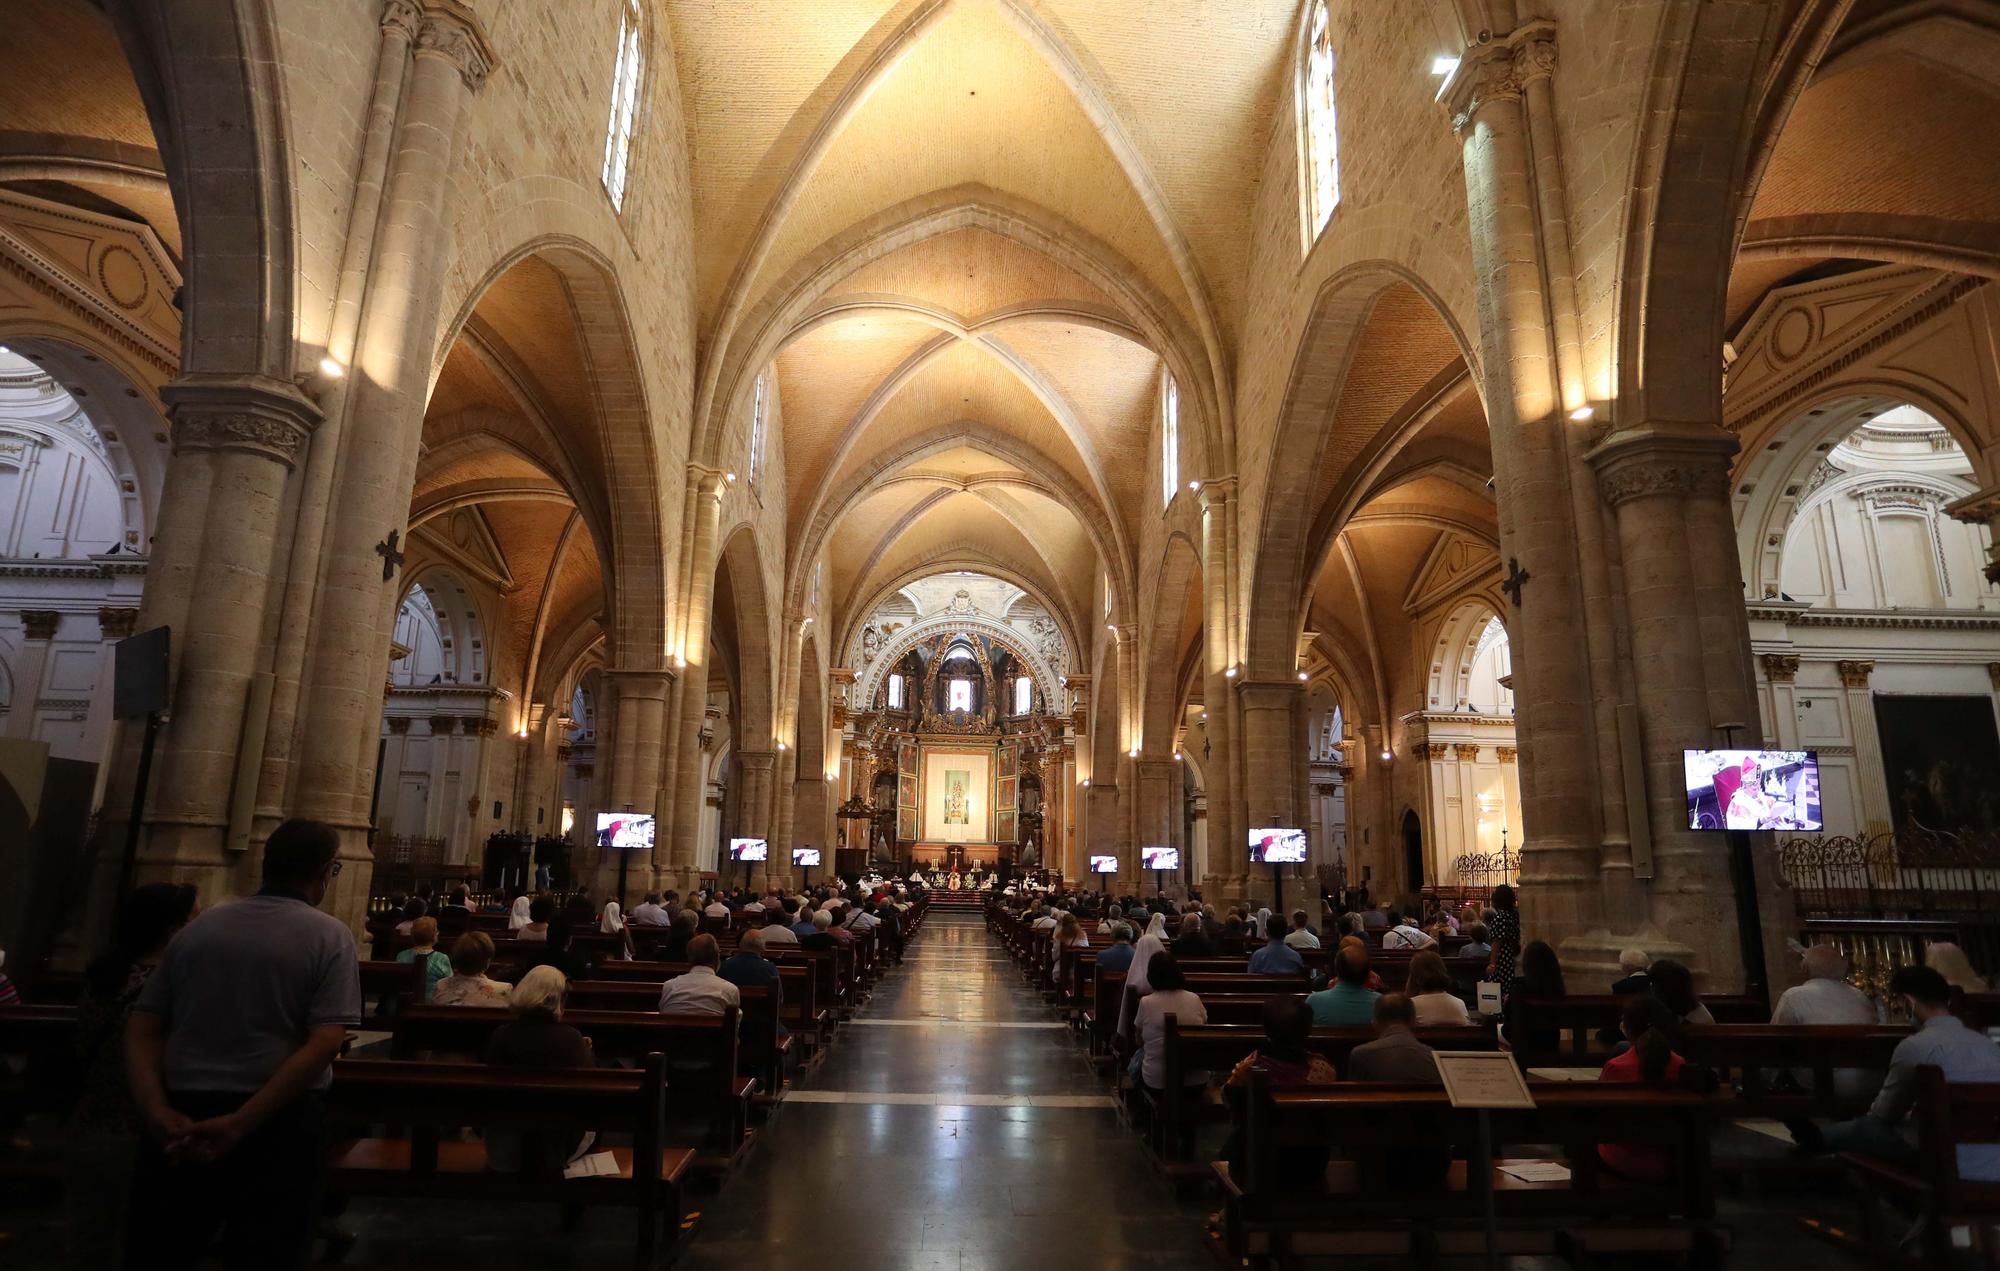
(1941,1041)
(1349,1002)
(1276,957)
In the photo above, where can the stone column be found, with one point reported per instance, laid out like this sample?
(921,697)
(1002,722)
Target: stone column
(634,763)
(1270,711)
(389,382)
(1668,487)
(236,438)
(784,792)
(1782,670)
(757,771)
(1220,771)
(1873,772)
(683,797)
(1555,708)
(113,625)
(38,627)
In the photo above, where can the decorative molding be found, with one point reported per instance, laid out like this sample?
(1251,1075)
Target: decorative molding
(116,623)
(251,414)
(1993,673)
(40,624)
(1466,752)
(443,725)
(1664,478)
(1499,71)
(1902,621)
(1506,754)
(1854,674)
(452,30)
(399,725)
(1780,668)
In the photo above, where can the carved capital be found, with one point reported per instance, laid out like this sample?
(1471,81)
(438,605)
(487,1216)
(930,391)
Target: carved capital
(399,725)
(403,17)
(485,726)
(452,30)
(1506,754)
(443,725)
(1435,749)
(1466,753)
(250,414)
(1854,674)
(117,624)
(1666,462)
(40,624)
(1499,71)
(1993,673)
(562,754)
(1780,668)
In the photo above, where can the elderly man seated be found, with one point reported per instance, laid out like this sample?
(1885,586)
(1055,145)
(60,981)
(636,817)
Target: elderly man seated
(699,990)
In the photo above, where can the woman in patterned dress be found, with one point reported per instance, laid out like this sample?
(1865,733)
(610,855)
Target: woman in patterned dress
(1505,934)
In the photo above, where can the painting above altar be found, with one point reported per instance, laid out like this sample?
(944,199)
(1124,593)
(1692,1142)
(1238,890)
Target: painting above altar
(957,794)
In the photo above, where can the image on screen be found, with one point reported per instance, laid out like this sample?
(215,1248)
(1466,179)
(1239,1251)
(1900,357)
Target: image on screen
(631,831)
(1753,790)
(1159,858)
(749,849)
(1104,864)
(805,856)
(1277,847)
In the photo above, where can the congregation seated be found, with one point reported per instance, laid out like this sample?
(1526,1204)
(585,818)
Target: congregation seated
(749,968)
(1290,1064)
(1651,1058)
(1193,941)
(674,948)
(716,909)
(1949,960)
(1169,995)
(540,911)
(648,912)
(423,935)
(520,912)
(1402,934)
(468,985)
(555,950)
(1276,957)
(1673,984)
(1348,1002)
(1941,1040)
(536,1038)
(1632,977)
(700,990)
(413,909)
(1421,1158)
(1117,959)
(1825,997)
(1539,975)
(1301,936)
(1476,946)
(777,929)
(1433,992)
(613,923)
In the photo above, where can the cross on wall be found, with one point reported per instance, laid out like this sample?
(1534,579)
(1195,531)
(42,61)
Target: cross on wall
(1517,578)
(392,556)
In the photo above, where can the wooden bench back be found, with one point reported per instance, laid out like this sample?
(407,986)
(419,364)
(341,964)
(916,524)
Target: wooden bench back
(1579,1017)
(1754,1054)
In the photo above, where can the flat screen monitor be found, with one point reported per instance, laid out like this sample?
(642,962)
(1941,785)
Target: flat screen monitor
(1104,864)
(1160,858)
(749,849)
(1274,846)
(805,856)
(627,831)
(1753,790)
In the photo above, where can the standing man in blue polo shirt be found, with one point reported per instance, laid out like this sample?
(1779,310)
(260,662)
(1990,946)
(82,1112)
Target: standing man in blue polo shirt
(229,1051)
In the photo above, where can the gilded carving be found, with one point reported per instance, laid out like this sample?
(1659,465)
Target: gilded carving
(1854,674)
(1780,668)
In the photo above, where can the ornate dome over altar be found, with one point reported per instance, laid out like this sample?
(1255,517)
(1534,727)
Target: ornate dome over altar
(960,602)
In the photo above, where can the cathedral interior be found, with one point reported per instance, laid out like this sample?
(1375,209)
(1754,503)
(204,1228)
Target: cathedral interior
(999,444)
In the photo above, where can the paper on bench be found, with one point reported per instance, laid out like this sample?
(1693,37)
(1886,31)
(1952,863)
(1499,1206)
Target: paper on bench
(595,1165)
(1537,1171)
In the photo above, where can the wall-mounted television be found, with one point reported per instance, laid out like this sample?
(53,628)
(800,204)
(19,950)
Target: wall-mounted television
(1275,846)
(626,831)
(805,856)
(1104,864)
(1160,858)
(749,849)
(1753,790)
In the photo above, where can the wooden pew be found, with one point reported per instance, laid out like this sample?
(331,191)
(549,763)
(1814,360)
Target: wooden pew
(1356,1211)
(392,984)
(1947,1118)
(1752,1055)
(701,1051)
(1581,1016)
(431,1099)
(1218,1048)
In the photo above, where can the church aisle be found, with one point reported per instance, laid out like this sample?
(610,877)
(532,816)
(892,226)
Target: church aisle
(954,1127)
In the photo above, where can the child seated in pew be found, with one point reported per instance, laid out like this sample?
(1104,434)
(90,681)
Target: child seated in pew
(1651,1059)
(537,1038)
(1285,1059)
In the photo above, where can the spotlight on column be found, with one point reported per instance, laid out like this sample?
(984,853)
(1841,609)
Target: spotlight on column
(1302,677)
(680,662)
(1194,485)
(729,476)
(1443,65)
(1386,756)
(1086,783)
(1230,673)
(524,732)
(1134,752)
(781,745)
(1583,414)
(1177,756)
(330,367)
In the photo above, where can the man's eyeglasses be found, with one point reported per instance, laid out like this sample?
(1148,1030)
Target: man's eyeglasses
(333,870)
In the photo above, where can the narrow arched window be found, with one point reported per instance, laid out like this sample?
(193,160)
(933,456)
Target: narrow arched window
(1322,136)
(1170,436)
(895,692)
(627,72)
(1024,695)
(760,418)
